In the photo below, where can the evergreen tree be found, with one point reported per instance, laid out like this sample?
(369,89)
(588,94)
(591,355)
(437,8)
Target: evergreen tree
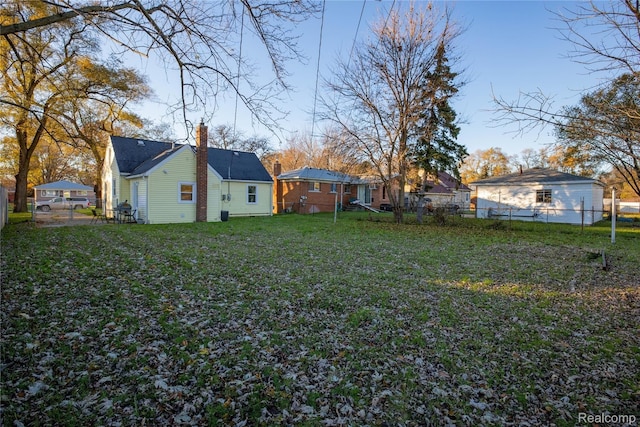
(436,148)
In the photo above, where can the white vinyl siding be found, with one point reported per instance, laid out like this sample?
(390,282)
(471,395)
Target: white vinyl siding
(238,205)
(561,202)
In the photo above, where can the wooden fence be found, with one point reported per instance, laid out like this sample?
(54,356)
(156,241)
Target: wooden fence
(4,206)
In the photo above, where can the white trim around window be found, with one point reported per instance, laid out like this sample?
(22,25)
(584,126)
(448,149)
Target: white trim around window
(543,196)
(315,186)
(252,194)
(186,192)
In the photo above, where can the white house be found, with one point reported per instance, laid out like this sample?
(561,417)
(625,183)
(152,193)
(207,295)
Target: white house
(63,189)
(539,194)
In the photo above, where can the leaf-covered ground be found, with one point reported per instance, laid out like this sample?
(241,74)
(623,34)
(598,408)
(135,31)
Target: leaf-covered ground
(295,320)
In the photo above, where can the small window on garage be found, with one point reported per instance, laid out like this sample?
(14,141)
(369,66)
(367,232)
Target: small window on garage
(252,194)
(543,196)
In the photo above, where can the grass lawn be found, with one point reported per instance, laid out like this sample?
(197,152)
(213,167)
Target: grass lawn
(295,320)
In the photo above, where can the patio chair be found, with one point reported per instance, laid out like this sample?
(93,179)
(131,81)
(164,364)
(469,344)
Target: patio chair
(95,218)
(130,216)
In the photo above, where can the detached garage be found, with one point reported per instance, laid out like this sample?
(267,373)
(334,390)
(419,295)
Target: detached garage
(539,194)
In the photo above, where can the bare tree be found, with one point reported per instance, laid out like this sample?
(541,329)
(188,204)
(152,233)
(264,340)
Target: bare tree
(379,91)
(202,40)
(223,136)
(605,37)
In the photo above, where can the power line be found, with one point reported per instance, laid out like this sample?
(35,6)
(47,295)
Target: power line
(355,37)
(315,95)
(235,114)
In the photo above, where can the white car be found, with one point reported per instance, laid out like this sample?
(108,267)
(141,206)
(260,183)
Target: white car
(58,203)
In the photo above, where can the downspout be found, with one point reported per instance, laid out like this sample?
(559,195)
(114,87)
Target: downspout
(146,198)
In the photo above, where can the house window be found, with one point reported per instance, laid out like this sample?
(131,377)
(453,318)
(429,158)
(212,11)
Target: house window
(314,186)
(543,196)
(334,187)
(187,192)
(113,188)
(252,194)
(384,192)
(347,188)
(49,193)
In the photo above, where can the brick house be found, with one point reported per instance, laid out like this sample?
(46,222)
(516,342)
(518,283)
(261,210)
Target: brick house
(313,190)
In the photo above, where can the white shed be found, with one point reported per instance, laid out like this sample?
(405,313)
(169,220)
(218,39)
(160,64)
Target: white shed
(539,194)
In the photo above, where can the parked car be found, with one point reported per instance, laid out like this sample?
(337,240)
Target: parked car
(58,203)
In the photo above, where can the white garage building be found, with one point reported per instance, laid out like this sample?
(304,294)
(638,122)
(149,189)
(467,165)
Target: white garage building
(539,194)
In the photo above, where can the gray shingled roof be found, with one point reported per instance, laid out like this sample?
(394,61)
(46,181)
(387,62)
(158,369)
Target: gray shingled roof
(244,166)
(63,185)
(132,152)
(533,176)
(313,174)
(136,156)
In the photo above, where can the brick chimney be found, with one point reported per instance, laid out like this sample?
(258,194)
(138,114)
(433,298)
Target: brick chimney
(277,187)
(201,172)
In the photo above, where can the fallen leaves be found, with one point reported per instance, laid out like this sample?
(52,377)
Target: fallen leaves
(288,324)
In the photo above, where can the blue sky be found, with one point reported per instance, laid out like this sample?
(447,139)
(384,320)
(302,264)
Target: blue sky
(508,47)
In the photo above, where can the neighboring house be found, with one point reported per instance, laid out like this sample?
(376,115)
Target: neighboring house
(540,195)
(313,190)
(63,189)
(447,191)
(629,206)
(174,183)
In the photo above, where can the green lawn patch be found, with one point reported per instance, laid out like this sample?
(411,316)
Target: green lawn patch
(295,320)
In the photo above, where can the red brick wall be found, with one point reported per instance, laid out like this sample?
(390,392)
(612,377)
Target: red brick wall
(316,201)
(287,197)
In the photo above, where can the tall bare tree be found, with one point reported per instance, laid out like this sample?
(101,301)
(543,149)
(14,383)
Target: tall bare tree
(605,128)
(379,95)
(200,39)
(605,37)
(224,136)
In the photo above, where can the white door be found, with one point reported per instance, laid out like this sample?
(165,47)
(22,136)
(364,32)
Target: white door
(134,197)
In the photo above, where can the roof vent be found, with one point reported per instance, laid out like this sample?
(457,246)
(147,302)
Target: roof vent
(235,153)
(140,143)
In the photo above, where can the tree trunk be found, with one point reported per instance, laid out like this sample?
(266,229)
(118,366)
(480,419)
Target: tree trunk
(26,151)
(398,212)
(420,209)
(20,200)
(98,154)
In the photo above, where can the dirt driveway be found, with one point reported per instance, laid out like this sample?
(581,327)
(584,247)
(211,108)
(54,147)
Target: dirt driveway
(63,219)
